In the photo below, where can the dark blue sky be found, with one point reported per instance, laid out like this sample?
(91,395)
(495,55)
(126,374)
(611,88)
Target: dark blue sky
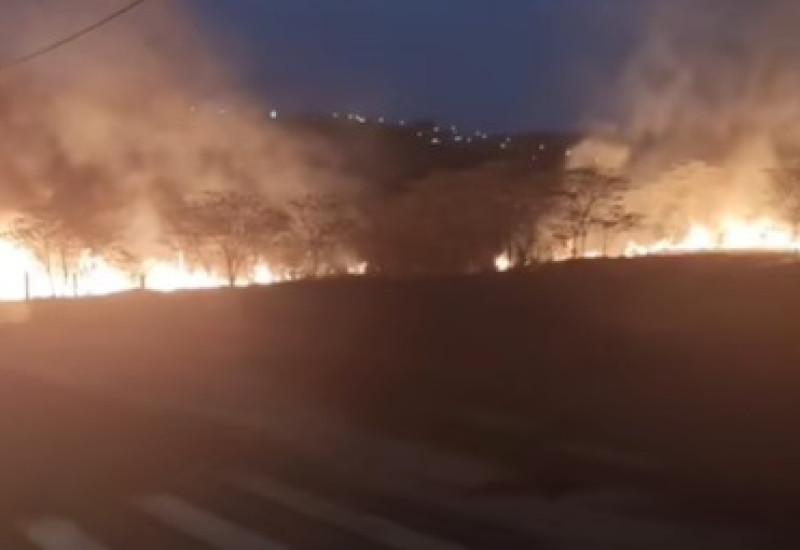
(496,64)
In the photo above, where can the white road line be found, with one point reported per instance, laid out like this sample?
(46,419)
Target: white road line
(59,534)
(369,526)
(204,526)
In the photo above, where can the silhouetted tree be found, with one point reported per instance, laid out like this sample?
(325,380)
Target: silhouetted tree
(55,244)
(785,196)
(451,222)
(319,225)
(616,220)
(587,199)
(226,229)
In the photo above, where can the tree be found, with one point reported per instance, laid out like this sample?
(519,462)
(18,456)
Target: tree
(785,196)
(587,199)
(614,220)
(229,230)
(319,224)
(448,222)
(53,241)
(528,204)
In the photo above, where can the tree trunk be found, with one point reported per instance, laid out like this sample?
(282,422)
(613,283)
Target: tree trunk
(314,261)
(584,236)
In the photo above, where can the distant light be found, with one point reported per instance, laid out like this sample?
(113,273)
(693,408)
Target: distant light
(335,115)
(381,120)
(402,123)
(419,134)
(503,145)
(568,153)
(541,146)
(360,119)
(458,138)
(350,116)
(436,141)
(454,129)
(273,114)
(534,158)
(469,140)
(436,129)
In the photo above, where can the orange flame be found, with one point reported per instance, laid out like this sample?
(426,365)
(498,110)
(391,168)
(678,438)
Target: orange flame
(23,276)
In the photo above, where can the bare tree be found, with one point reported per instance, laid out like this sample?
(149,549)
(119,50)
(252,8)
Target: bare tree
(528,203)
(585,201)
(319,225)
(615,220)
(225,229)
(450,222)
(53,241)
(785,196)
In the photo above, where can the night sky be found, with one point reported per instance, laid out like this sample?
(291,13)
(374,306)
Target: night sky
(508,64)
(487,64)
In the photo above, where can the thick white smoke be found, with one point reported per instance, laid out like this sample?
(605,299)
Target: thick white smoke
(709,105)
(135,114)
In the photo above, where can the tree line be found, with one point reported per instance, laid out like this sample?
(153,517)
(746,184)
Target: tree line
(448,222)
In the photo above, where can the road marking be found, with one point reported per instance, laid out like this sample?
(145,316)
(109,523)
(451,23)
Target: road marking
(59,534)
(204,526)
(369,526)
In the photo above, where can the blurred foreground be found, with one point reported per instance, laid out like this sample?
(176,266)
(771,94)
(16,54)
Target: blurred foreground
(642,403)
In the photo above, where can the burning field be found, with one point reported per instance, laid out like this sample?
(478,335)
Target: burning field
(698,148)
(119,173)
(129,163)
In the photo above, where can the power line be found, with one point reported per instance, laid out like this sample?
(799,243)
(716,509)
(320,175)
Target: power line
(72,37)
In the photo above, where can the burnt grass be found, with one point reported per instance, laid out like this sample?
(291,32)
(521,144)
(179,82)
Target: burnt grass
(690,362)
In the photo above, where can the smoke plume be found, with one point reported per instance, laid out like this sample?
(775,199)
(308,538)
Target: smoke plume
(709,104)
(140,112)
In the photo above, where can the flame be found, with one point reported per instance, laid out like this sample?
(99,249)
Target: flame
(731,235)
(503,262)
(23,276)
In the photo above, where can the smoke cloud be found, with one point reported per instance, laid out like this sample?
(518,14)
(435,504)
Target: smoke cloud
(139,112)
(708,105)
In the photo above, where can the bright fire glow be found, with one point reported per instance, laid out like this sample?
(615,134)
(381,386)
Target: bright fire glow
(503,262)
(23,276)
(732,235)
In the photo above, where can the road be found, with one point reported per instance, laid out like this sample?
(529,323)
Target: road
(88,469)
(83,470)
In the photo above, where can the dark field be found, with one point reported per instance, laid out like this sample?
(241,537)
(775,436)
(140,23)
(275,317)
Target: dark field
(692,363)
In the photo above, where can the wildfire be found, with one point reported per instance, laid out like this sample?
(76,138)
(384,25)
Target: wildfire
(23,276)
(731,235)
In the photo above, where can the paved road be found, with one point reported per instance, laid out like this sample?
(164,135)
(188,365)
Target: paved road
(80,470)
(83,470)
